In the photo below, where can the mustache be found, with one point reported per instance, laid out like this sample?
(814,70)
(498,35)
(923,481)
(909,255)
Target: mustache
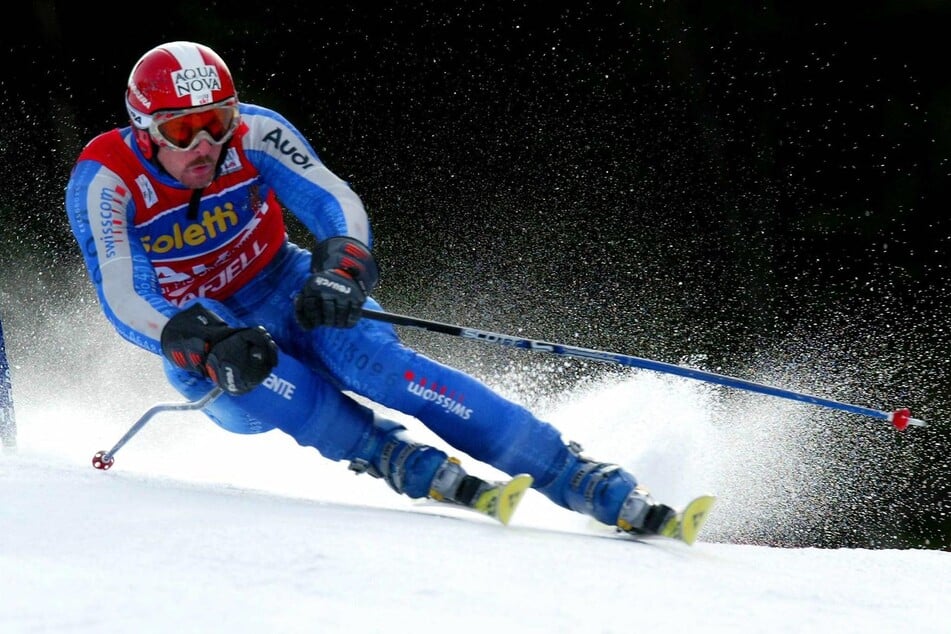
(201,162)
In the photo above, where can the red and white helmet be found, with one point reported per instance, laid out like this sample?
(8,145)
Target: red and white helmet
(176,76)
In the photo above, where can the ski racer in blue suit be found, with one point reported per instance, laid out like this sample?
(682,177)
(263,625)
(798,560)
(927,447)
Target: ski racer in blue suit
(179,217)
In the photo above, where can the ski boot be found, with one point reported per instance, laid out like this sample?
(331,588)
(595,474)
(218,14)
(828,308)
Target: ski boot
(641,515)
(422,471)
(608,494)
(498,500)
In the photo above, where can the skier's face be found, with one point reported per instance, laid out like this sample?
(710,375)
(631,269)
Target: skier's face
(190,140)
(194,168)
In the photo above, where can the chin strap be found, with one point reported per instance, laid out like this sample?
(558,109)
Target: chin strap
(193,203)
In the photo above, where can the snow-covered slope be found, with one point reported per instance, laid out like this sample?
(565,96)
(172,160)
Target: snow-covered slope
(87,551)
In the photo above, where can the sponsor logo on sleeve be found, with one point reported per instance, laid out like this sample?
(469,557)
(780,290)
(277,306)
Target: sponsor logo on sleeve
(298,156)
(111,221)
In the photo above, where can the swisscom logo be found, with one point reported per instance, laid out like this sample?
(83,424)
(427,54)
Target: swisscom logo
(437,394)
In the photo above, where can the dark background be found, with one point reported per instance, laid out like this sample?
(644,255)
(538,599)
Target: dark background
(760,188)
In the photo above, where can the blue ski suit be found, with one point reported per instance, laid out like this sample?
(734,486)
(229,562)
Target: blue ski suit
(153,247)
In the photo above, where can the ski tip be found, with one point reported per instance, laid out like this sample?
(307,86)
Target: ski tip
(694,516)
(510,495)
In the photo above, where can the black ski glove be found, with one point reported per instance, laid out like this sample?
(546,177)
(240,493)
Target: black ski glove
(344,273)
(236,359)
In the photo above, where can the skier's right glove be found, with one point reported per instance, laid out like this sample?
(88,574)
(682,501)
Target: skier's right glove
(344,273)
(236,359)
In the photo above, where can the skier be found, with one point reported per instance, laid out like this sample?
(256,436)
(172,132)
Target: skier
(179,217)
(8,423)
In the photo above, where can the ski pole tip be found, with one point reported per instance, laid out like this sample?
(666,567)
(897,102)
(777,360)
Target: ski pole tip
(102,460)
(901,419)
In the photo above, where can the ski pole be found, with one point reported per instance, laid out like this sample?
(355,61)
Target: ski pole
(900,418)
(104,459)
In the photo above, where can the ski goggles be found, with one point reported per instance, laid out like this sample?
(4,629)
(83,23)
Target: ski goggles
(184,129)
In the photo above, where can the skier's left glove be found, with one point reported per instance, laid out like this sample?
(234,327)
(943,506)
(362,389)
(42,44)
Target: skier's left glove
(344,274)
(236,359)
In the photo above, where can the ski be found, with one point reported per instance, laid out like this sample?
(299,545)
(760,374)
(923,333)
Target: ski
(499,501)
(686,525)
